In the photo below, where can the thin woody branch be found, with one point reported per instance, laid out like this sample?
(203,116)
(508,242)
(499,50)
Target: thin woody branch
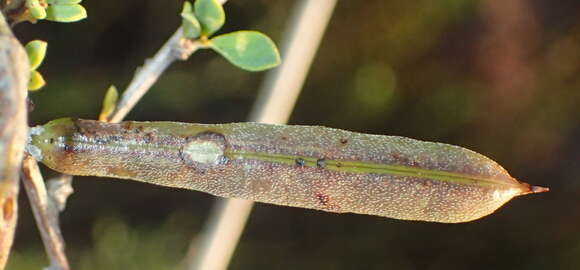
(176,48)
(13,90)
(45,212)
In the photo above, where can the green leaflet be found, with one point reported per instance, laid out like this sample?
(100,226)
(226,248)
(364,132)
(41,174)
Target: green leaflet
(249,50)
(36,10)
(210,15)
(36,51)
(302,166)
(66,13)
(109,103)
(63,2)
(36,81)
(190,24)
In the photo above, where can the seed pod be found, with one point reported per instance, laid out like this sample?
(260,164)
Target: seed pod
(302,166)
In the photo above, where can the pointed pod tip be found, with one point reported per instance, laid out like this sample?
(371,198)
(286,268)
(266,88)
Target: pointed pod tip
(529,189)
(537,189)
(526,188)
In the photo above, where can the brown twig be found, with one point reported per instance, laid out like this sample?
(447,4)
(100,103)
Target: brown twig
(14,10)
(13,90)
(176,48)
(45,212)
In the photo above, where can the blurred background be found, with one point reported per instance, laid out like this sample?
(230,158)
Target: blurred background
(498,77)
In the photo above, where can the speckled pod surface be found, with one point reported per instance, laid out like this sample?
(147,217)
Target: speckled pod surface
(301,166)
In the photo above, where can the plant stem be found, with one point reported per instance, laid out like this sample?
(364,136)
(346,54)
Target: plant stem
(46,214)
(14,71)
(274,105)
(176,48)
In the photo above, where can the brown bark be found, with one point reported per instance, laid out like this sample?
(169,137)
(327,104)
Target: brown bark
(14,71)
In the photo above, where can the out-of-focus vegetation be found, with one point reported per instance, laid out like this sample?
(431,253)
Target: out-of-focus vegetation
(498,77)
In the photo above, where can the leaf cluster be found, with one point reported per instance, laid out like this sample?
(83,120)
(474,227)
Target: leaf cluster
(55,10)
(248,50)
(52,10)
(36,50)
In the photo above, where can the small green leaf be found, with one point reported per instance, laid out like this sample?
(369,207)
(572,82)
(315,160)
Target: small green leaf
(187,8)
(36,51)
(36,10)
(190,24)
(109,103)
(63,2)
(249,50)
(210,14)
(66,13)
(36,81)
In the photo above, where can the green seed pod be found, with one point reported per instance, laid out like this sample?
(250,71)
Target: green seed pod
(301,166)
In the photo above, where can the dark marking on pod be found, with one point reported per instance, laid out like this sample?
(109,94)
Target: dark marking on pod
(149,137)
(322,198)
(343,141)
(84,129)
(223,160)
(138,129)
(300,162)
(99,140)
(66,148)
(404,160)
(126,127)
(426,183)
(115,138)
(321,163)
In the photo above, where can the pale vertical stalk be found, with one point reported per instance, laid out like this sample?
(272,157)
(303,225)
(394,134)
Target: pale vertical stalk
(274,105)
